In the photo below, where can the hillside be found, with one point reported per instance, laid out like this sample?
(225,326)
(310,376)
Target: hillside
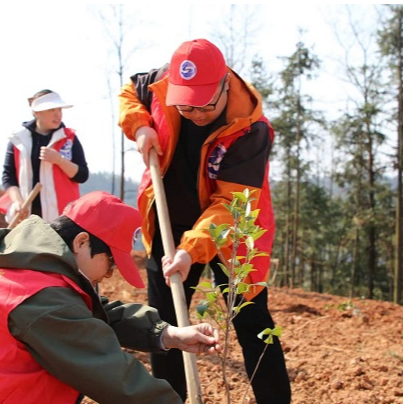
(337,351)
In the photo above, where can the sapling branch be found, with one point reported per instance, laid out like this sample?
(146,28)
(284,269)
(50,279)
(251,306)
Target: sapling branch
(241,234)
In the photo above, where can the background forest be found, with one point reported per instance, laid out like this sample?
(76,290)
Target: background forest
(337,192)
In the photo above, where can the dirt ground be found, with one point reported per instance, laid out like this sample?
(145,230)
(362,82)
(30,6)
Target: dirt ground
(338,351)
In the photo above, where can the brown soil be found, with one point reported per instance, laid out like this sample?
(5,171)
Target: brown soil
(337,350)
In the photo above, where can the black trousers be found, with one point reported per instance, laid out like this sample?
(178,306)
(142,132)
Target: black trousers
(270,383)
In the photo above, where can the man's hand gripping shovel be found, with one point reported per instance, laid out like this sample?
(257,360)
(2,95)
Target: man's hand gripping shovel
(178,294)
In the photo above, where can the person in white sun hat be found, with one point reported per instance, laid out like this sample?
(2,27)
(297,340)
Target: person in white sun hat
(43,150)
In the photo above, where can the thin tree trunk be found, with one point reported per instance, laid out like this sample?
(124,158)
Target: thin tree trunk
(398,281)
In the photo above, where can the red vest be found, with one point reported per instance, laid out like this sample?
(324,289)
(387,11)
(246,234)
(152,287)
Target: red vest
(66,190)
(23,380)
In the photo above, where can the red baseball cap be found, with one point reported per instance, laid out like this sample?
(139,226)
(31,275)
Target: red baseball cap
(196,68)
(105,216)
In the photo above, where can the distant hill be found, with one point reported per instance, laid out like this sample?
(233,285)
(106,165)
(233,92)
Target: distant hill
(102,181)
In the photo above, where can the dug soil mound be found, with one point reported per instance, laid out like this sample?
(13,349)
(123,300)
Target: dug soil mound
(338,350)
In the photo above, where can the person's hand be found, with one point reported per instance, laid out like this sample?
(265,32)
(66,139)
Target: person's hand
(181,263)
(197,339)
(17,209)
(50,155)
(147,138)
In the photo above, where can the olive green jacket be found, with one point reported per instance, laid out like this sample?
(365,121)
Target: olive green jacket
(79,346)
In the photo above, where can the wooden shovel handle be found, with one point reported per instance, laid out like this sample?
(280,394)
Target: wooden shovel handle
(26,204)
(178,294)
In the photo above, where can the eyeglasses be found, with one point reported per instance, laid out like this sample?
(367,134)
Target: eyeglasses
(206,108)
(112,265)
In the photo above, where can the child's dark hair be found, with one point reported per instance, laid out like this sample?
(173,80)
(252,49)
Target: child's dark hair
(37,95)
(68,230)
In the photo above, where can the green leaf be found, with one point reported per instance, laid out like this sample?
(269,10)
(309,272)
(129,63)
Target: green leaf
(241,196)
(242,287)
(261,254)
(269,332)
(250,242)
(206,285)
(254,213)
(201,309)
(226,290)
(211,296)
(277,331)
(265,284)
(248,209)
(245,304)
(259,234)
(223,268)
(237,309)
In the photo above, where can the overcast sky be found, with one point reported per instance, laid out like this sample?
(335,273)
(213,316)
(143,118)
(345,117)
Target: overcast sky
(63,47)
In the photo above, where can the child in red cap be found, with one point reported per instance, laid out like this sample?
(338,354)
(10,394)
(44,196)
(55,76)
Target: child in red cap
(60,340)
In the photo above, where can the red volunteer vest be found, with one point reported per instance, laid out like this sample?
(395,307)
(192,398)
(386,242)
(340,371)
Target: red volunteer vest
(23,380)
(66,190)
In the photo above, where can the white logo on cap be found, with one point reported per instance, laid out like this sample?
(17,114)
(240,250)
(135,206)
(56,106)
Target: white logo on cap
(187,70)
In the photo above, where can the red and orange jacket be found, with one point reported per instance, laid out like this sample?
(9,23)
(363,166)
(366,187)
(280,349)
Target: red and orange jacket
(244,114)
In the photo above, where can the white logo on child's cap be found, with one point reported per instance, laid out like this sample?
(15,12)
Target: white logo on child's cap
(187,70)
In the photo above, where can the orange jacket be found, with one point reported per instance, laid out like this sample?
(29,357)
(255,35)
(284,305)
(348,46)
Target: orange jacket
(244,109)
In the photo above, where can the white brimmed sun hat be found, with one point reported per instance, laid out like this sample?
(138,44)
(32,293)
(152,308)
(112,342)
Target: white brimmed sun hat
(48,101)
